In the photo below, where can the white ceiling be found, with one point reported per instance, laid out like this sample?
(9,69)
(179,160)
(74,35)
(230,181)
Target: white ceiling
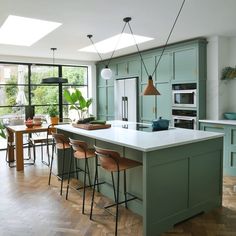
(104,18)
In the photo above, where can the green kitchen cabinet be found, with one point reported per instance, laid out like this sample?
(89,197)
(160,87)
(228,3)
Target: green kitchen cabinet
(163,101)
(153,107)
(229,143)
(164,72)
(105,103)
(128,68)
(113,68)
(148,106)
(185,64)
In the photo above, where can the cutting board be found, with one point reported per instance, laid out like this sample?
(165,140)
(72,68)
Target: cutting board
(91,126)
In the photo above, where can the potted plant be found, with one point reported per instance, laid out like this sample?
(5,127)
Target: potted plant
(78,102)
(53,113)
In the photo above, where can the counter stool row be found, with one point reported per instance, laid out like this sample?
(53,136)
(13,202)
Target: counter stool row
(109,160)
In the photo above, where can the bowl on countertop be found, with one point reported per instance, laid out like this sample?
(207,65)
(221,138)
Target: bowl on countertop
(230,115)
(29,125)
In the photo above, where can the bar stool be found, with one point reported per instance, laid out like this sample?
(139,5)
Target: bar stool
(61,143)
(112,161)
(81,152)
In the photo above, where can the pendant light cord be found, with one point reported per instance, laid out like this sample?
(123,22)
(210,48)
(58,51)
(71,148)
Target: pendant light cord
(116,44)
(90,38)
(168,37)
(53,59)
(172,28)
(141,57)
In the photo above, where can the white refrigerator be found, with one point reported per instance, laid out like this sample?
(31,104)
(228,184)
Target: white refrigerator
(126,99)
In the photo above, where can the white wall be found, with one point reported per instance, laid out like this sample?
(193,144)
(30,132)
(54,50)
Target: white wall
(221,96)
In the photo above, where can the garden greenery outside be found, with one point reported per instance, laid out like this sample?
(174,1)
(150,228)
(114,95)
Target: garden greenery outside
(41,95)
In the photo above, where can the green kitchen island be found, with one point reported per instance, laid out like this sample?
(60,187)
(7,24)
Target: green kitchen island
(181,175)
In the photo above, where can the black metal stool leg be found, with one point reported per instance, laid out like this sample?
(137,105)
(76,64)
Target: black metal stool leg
(117,202)
(94,185)
(125,192)
(88,172)
(50,173)
(63,169)
(113,184)
(84,184)
(69,172)
(76,168)
(96,168)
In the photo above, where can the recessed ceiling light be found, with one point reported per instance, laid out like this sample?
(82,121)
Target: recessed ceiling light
(108,45)
(23,31)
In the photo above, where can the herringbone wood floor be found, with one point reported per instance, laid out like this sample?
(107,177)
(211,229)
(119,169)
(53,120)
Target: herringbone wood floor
(28,206)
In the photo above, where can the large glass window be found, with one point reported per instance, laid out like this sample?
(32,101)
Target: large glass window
(14,91)
(20,86)
(78,79)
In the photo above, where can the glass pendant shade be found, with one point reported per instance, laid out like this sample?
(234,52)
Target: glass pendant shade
(150,88)
(106,73)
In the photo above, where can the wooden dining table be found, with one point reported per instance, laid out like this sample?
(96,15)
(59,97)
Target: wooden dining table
(16,132)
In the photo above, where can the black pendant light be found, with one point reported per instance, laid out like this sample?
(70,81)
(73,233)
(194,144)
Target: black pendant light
(54,79)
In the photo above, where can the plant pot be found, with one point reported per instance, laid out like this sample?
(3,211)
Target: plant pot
(54,120)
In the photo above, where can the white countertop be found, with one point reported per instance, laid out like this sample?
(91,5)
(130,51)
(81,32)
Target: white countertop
(140,140)
(220,122)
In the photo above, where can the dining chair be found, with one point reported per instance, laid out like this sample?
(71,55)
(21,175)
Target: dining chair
(11,145)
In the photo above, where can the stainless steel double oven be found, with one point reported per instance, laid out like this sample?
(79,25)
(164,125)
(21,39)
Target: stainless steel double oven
(184,105)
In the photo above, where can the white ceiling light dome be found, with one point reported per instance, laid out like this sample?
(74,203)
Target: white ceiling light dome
(106,73)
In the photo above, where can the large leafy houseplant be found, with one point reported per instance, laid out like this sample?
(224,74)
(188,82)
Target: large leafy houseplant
(78,102)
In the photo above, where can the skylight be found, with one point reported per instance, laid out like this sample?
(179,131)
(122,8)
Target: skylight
(108,45)
(23,31)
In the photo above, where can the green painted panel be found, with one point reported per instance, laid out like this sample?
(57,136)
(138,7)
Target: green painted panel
(134,67)
(122,69)
(204,183)
(164,69)
(172,180)
(100,80)
(233,136)
(164,107)
(101,103)
(113,68)
(233,160)
(185,65)
(110,101)
(147,111)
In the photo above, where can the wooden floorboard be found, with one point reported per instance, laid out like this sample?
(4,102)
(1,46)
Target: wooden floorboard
(28,206)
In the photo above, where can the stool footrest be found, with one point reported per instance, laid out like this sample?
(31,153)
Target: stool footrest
(114,204)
